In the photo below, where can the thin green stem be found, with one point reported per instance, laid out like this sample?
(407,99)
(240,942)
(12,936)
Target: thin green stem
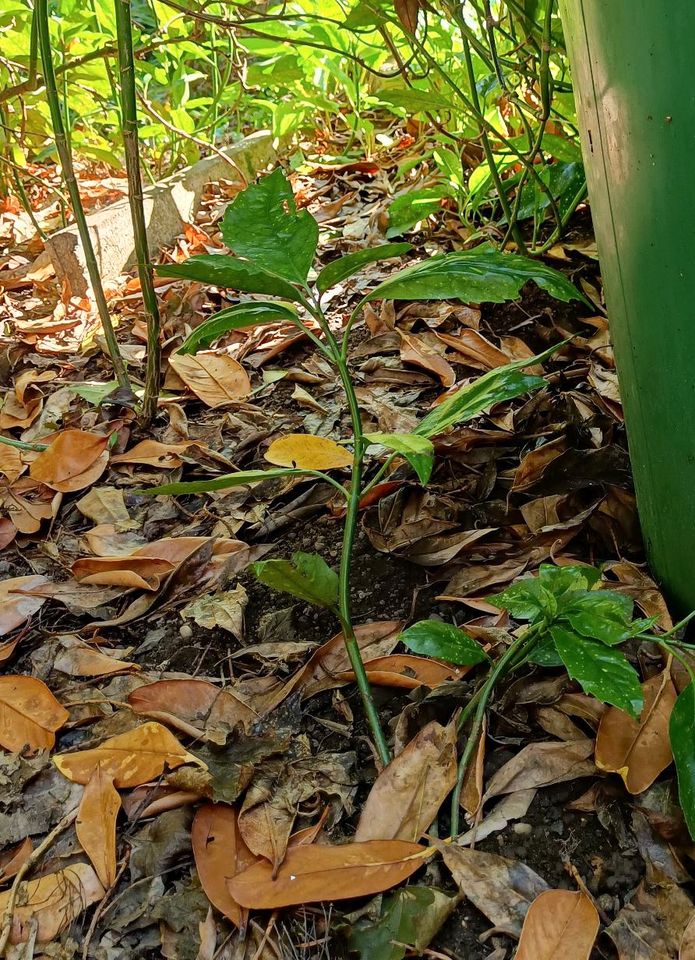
(42,28)
(129,126)
(477,707)
(21,445)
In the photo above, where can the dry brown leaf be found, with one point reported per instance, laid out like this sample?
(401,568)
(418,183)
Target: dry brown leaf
(478,351)
(74,460)
(324,668)
(306,452)
(130,759)
(471,798)
(216,379)
(79,659)
(15,606)
(541,765)
(183,703)
(638,750)
(105,505)
(501,889)
(687,945)
(29,714)
(152,453)
(560,925)
(421,349)
(408,672)
(220,854)
(310,874)
(96,824)
(651,926)
(23,406)
(12,465)
(52,902)
(11,860)
(407,12)
(408,793)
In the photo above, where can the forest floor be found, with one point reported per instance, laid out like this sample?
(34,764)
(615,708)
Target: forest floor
(125,591)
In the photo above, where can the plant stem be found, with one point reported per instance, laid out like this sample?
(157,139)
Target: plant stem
(480,702)
(21,445)
(65,156)
(350,529)
(129,123)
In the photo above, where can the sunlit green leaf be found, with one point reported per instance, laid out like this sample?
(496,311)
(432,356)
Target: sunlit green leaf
(410,208)
(417,450)
(264,225)
(603,671)
(481,275)
(352,262)
(248,314)
(307,576)
(681,732)
(432,638)
(223,271)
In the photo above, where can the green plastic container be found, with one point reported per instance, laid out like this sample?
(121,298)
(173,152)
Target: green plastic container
(633,66)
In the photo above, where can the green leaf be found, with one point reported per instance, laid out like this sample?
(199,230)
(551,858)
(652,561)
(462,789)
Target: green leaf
(224,271)
(348,265)
(94,392)
(601,614)
(417,450)
(560,580)
(681,732)
(432,638)
(416,101)
(481,275)
(308,577)
(411,915)
(263,225)
(545,654)
(412,207)
(495,386)
(602,671)
(224,482)
(246,314)
(527,599)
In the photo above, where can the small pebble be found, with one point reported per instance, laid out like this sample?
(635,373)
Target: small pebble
(185,632)
(522,829)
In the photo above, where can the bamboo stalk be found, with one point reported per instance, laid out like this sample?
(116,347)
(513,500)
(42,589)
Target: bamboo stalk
(65,156)
(129,125)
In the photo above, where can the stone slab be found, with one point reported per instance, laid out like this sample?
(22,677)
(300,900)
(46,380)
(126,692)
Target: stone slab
(169,204)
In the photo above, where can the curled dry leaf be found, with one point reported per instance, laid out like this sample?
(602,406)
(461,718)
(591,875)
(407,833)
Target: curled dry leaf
(687,946)
(96,824)
(560,925)
(310,874)
(639,750)
(324,668)
(408,793)
(501,889)
(220,854)
(29,714)
(471,798)
(52,902)
(11,860)
(216,379)
(652,925)
(130,759)
(15,606)
(152,453)
(541,765)
(307,453)
(408,672)
(74,460)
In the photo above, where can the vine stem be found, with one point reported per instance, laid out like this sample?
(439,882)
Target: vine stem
(352,647)
(477,706)
(65,156)
(129,126)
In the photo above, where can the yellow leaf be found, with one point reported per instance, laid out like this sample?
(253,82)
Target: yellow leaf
(559,925)
(215,379)
(308,453)
(29,714)
(96,824)
(130,759)
(52,902)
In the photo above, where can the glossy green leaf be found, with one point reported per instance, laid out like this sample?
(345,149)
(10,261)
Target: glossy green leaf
(263,225)
(602,614)
(248,314)
(223,271)
(432,638)
(351,263)
(682,736)
(412,207)
(561,579)
(544,653)
(527,599)
(307,576)
(239,479)
(604,672)
(417,450)
(481,275)
(502,383)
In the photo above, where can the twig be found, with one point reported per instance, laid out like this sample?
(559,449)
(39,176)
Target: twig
(31,860)
(101,906)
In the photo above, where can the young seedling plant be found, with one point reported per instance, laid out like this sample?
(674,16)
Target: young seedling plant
(274,246)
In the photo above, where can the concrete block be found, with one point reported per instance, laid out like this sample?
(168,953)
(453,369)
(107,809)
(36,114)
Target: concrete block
(168,205)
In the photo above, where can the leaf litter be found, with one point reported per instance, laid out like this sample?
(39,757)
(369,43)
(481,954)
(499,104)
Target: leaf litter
(154,691)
